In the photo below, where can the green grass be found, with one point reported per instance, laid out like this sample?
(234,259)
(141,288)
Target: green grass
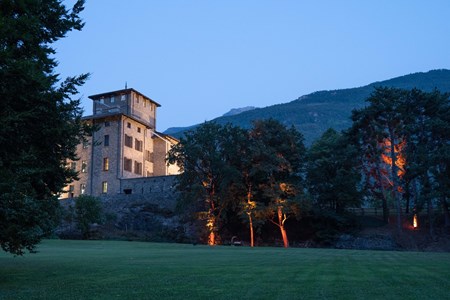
(134,270)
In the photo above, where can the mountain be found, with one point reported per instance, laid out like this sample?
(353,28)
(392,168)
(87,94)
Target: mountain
(314,113)
(236,111)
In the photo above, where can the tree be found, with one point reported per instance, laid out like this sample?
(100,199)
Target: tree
(88,210)
(280,164)
(332,175)
(427,118)
(207,175)
(379,131)
(40,123)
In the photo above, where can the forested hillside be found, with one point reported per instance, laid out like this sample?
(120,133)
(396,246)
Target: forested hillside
(314,113)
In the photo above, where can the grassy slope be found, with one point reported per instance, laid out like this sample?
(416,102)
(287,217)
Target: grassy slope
(131,270)
(313,114)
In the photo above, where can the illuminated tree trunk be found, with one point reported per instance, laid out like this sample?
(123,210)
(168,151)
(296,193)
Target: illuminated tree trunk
(281,219)
(250,220)
(211,218)
(395,182)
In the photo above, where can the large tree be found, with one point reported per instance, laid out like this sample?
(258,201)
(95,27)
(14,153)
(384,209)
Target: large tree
(427,118)
(332,175)
(281,165)
(203,155)
(379,133)
(40,122)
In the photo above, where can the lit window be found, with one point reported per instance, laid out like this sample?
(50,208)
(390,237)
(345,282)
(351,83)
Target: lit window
(127,164)
(82,189)
(137,168)
(128,141)
(106,142)
(104,187)
(83,166)
(105,164)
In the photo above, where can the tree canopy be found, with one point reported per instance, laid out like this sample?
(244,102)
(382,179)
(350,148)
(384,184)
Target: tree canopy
(40,121)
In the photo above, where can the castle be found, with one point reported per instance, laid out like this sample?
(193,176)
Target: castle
(126,146)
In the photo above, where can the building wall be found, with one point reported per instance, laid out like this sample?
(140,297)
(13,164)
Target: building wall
(111,157)
(143,108)
(111,127)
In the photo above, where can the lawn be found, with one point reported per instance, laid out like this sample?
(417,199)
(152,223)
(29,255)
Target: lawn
(134,270)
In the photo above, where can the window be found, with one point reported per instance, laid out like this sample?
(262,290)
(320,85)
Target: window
(138,145)
(85,144)
(137,168)
(127,164)
(145,103)
(102,100)
(113,99)
(128,125)
(122,97)
(82,189)
(83,166)
(71,188)
(105,164)
(128,141)
(148,156)
(73,166)
(106,142)
(107,124)
(139,129)
(104,187)
(137,98)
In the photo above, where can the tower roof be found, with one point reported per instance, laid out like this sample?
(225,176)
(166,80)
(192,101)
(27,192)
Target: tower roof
(120,92)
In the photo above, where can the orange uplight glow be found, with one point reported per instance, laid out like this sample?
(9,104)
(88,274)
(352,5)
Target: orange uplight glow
(415,223)
(400,161)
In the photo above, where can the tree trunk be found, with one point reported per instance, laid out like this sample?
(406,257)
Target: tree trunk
(281,220)
(446,212)
(427,194)
(383,192)
(250,222)
(249,213)
(395,184)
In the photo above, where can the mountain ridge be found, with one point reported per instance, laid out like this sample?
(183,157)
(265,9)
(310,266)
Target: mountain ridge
(314,113)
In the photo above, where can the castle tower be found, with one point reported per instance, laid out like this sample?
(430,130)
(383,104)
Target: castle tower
(126,144)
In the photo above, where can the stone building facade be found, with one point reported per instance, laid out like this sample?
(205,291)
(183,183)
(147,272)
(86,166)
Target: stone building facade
(125,145)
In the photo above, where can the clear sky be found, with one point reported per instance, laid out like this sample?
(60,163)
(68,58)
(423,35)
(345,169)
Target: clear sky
(199,59)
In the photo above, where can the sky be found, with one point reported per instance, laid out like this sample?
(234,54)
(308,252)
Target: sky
(201,58)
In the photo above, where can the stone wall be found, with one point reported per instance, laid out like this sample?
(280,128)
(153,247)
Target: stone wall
(146,212)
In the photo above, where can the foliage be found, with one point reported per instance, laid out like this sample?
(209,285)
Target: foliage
(135,270)
(229,171)
(279,162)
(403,139)
(332,175)
(203,157)
(88,210)
(40,123)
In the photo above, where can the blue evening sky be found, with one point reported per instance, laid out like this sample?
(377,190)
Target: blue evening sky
(200,58)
